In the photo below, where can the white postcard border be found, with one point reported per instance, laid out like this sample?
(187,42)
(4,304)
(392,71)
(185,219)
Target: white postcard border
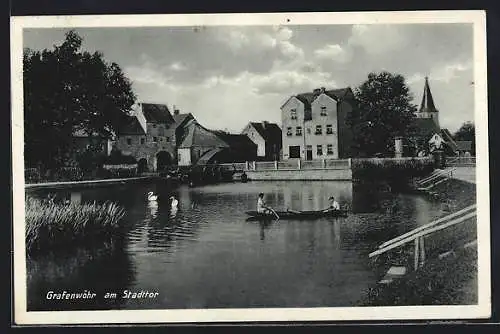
(482,310)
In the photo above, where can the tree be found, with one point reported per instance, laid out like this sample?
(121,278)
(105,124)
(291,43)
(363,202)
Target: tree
(66,89)
(384,111)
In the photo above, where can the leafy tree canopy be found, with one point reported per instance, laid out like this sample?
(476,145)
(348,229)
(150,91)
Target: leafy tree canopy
(466,132)
(384,111)
(67,89)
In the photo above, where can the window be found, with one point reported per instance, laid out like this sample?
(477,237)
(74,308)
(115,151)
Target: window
(155,139)
(329,149)
(129,141)
(319,150)
(319,130)
(298,131)
(323,111)
(161,138)
(167,139)
(143,140)
(161,131)
(294,151)
(154,126)
(293,114)
(329,129)
(289,131)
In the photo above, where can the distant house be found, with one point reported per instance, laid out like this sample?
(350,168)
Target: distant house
(241,148)
(149,136)
(197,141)
(314,124)
(82,141)
(464,147)
(267,137)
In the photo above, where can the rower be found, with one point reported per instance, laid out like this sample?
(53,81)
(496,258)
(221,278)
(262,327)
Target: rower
(174,202)
(261,205)
(333,204)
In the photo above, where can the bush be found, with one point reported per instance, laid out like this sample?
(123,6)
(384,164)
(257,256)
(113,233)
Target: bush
(50,225)
(391,169)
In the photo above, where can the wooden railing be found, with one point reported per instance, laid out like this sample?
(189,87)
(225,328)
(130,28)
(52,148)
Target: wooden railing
(435,178)
(298,164)
(418,235)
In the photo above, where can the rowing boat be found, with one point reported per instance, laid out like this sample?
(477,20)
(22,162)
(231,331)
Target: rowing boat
(297,214)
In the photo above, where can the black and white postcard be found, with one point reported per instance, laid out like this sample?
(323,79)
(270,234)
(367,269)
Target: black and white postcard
(250,167)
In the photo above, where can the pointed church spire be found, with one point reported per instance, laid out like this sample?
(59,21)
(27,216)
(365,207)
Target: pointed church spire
(427,104)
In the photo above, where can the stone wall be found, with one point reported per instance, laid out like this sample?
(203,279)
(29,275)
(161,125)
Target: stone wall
(293,174)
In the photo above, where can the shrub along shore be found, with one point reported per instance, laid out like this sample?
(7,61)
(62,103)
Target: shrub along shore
(52,225)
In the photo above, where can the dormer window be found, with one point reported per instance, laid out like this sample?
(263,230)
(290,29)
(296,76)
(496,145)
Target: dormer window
(323,111)
(293,114)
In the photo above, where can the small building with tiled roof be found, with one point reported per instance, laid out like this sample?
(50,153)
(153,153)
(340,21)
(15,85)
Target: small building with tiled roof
(267,136)
(82,141)
(196,141)
(314,124)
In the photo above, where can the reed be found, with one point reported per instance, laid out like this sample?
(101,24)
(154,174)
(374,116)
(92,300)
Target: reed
(391,168)
(50,225)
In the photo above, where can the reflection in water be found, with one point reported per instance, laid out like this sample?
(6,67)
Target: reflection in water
(206,255)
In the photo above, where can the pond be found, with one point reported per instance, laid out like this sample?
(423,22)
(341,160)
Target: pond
(208,255)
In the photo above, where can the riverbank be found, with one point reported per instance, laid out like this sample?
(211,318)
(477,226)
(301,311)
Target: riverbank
(449,276)
(88,184)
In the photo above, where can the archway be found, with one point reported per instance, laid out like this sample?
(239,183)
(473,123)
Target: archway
(142,166)
(163,160)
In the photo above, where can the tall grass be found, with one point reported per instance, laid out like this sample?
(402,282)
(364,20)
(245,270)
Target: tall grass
(50,225)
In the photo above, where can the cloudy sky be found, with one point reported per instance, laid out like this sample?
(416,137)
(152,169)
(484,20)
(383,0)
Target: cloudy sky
(228,76)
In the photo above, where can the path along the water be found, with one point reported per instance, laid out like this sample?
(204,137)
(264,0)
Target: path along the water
(467,174)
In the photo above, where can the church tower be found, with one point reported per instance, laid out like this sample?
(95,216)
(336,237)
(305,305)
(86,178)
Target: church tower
(427,108)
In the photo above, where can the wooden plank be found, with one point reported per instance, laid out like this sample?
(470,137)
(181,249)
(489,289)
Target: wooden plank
(422,233)
(418,229)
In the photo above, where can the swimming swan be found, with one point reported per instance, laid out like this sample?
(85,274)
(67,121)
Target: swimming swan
(151,196)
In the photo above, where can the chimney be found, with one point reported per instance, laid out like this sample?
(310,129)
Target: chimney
(264,124)
(176,110)
(317,91)
(323,89)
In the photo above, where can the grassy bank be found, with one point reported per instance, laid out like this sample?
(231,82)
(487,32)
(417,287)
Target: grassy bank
(451,280)
(52,225)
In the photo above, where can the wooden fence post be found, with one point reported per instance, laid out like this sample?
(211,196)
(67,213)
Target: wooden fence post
(275,165)
(416,254)
(324,163)
(299,164)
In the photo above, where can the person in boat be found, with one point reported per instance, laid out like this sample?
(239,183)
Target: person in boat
(174,202)
(333,205)
(261,205)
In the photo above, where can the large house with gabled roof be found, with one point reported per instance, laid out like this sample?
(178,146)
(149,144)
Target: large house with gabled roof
(314,124)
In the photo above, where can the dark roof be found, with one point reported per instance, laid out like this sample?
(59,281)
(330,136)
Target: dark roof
(197,135)
(464,145)
(448,138)
(156,113)
(132,127)
(427,104)
(181,119)
(236,141)
(309,97)
(271,132)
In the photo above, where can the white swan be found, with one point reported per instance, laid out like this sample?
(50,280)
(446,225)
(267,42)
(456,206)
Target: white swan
(152,197)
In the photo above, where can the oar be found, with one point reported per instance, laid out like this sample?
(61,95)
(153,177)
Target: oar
(277,217)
